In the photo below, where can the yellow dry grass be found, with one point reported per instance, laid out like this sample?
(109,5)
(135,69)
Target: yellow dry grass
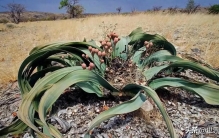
(184,31)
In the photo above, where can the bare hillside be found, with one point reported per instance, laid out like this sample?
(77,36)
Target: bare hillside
(33,16)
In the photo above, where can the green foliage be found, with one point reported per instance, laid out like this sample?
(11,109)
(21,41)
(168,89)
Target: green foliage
(133,104)
(214,9)
(191,7)
(209,92)
(63,3)
(73,9)
(4,21)
(51,17)
(16,127)
(10,25)
(84,65)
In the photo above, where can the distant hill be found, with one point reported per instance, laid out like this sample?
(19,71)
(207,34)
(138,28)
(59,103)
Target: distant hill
(40,16)
(34,16)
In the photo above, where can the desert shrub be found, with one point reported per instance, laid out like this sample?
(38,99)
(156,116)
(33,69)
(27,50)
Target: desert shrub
(10,25)
(87,66)
(25,19)
(50,17)
(191,7)
(172,10)
(157,8)
(73,8)
(32,19)
(214,9)
(15,11)
(4,21)
(65,18)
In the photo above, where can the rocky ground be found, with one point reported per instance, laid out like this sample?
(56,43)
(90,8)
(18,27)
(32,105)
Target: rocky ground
(191,116)
(76,109)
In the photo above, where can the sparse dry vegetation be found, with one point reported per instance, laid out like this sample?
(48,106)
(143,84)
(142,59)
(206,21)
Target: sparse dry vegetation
(185,31)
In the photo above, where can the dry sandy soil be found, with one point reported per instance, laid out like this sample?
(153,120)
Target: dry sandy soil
(183,30)
(186,32)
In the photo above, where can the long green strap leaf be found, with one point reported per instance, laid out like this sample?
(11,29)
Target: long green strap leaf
(121,48)
(17,127)
(52,129)
(137,55)
(36,76)
(126,107)
(157,56)
(136,31)
(212,74)
(62,44)
(156,39)
(209,92)
(154,96)
(52,94)
(27,116)
(90,87)
(153,71)
(44,53)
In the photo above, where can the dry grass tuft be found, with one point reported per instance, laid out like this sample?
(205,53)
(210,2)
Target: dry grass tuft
(185,31)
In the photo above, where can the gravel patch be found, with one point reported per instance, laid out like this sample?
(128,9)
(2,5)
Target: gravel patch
(74,110)
(85,107)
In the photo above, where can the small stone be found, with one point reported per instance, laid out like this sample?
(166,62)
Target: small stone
(194,121)
(26,135)
(99,136)
(201,122)
(69,112)
(184,112)
(180,132)
(147,106)
(173,104)
(97,110)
